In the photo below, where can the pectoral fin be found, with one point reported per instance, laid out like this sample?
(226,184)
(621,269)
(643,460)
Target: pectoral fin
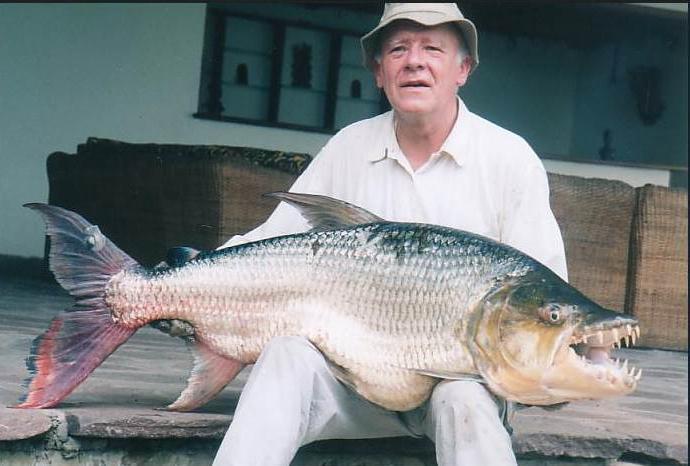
(211,372)
(553,407)
(448,375)
(342,374)
(180,255)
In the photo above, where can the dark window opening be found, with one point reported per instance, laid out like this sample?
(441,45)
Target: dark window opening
(301,66)
(242,74)
(356,89)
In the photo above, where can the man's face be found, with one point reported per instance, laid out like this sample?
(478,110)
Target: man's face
(419,70)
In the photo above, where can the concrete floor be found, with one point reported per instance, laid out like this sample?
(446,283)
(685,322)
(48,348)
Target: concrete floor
(112,414)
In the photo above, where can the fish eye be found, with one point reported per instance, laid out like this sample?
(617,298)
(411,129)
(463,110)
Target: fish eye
(552,314)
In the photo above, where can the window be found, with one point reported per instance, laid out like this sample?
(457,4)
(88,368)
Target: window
(273,72)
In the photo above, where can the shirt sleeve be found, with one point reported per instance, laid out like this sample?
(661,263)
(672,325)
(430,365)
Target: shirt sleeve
(285,219)
(528,222)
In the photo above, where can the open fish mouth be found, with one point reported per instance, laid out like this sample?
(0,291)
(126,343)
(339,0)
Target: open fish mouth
(590,348)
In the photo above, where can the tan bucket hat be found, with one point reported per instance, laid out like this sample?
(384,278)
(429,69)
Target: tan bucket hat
(428,14)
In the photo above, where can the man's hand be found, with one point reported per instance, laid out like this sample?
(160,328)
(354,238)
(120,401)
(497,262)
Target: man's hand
(175,328)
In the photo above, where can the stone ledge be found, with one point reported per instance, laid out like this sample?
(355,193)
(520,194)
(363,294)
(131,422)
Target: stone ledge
(537,433)
(20,424)
(119,423)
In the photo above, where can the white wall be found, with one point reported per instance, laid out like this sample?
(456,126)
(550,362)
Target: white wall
(131,72)
(634,176)
(121,71)
(604,103)
(528,87)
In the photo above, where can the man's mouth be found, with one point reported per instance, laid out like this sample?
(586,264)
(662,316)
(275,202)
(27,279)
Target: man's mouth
(415,84)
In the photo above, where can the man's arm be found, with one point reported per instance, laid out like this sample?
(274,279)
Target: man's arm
(528,222)
(284,220)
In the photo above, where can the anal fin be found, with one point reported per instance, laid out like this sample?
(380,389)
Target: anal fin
(211,372)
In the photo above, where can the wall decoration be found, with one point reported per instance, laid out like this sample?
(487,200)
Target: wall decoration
(301,65)
(645,83)
(356,89)
(242,74)
(606,152)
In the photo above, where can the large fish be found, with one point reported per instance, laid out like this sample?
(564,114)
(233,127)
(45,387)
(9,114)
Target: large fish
(394,307)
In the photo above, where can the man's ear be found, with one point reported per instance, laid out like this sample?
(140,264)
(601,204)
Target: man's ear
(378,75)
(463,71)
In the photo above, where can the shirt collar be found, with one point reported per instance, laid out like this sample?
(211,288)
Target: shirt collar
(390,143)
(454,145)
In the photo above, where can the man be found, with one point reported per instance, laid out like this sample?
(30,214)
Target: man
(428,160)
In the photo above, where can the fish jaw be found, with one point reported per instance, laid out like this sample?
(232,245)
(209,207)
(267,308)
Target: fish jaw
(584,366)
(548,344)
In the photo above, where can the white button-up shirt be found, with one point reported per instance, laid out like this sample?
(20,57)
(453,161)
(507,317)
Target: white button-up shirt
(485,180)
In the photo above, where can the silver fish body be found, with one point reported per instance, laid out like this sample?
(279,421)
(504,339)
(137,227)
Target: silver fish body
(381,301)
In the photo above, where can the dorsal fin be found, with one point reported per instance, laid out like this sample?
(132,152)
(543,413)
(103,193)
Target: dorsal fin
(180,255)
(326,213)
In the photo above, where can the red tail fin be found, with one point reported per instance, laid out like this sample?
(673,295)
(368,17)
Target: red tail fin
(78,340)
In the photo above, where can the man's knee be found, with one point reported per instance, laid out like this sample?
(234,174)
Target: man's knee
(466,395)
(293,349)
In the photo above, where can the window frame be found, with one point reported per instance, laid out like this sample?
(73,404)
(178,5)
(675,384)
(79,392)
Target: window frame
(209,103)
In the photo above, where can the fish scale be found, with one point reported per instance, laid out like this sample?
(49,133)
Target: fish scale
(375,300)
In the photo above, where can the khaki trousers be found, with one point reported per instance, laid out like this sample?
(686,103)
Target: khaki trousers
(291,398)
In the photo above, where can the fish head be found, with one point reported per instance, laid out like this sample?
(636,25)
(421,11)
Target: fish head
(537,340)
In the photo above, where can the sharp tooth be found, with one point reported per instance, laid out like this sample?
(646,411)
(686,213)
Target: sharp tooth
(637,330)
(600,335)
(628,327)
(633,337)
(625,366)
(627,341)
(639,374)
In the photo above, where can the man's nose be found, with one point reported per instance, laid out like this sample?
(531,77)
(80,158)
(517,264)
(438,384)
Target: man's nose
(415,58)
